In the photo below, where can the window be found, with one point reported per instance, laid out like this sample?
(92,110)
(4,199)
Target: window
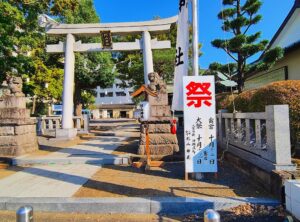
(120,93)
(110,94)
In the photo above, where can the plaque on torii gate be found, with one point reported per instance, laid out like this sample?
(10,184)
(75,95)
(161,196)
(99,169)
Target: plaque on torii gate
(70,46)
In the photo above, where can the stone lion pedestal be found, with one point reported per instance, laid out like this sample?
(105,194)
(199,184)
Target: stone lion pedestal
(158,125)
(17,130)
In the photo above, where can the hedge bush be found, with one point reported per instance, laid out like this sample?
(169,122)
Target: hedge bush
(224,100)
(282,92)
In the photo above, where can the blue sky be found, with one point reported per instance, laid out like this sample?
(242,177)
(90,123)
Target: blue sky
(273,11)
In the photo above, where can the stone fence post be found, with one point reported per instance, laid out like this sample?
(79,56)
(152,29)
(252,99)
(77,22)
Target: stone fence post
(40,126)
(220,126)
(278,134)
(86,123)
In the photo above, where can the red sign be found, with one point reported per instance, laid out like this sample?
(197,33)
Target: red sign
(198,92)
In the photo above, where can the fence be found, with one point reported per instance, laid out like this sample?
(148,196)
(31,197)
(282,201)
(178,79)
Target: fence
(46,126)
(260,138)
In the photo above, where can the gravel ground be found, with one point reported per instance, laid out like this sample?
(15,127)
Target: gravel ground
(126,181)
(60,217)
(248,213)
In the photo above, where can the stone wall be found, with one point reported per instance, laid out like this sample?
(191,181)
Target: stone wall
(272,181)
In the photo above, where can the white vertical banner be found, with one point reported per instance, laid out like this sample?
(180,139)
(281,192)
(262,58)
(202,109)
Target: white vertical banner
(200,124)
(182,54)
(195,38)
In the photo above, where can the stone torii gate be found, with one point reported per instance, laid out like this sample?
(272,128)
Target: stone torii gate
(70,46)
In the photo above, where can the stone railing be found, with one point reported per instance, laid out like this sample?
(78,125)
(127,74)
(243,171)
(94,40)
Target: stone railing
(46,126)
(260,138)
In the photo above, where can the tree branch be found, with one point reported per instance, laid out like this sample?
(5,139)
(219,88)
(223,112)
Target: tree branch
(235,59)
(250,23)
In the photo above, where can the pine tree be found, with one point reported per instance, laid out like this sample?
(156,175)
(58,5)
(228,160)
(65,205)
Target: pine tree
(238,18)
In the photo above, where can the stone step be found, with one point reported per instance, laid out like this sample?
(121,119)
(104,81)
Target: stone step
(73,160)
(147,205)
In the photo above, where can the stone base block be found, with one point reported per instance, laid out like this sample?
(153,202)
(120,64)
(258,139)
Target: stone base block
(17,145)
(18,122)
(17,129)
(7,130)
(160,100)
(14,113)
(160,111)
(157,128)
(157,139)
(165,149)
(12,102)
(25,129)
(67,134)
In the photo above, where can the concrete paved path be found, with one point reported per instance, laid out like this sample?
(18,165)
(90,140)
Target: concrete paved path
(95,151)
(62,173)
(47,181)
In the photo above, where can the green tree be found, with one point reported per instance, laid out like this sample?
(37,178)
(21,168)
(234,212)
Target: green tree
(238,17)
(19,35)
(22,49)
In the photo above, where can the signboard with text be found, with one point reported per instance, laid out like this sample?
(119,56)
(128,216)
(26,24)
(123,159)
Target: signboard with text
(200,124)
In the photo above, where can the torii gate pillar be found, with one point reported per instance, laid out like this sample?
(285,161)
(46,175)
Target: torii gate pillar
(68,131)
(68,91)
(147,56)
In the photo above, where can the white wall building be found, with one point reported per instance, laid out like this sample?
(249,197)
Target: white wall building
(287,68)
(114,102)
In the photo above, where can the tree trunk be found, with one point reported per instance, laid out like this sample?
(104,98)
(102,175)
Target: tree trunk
(240,69)
(240,74)
(33,105)
(77,101)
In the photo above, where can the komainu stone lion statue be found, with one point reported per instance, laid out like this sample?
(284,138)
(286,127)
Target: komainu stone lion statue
(156,83)
(12,87)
